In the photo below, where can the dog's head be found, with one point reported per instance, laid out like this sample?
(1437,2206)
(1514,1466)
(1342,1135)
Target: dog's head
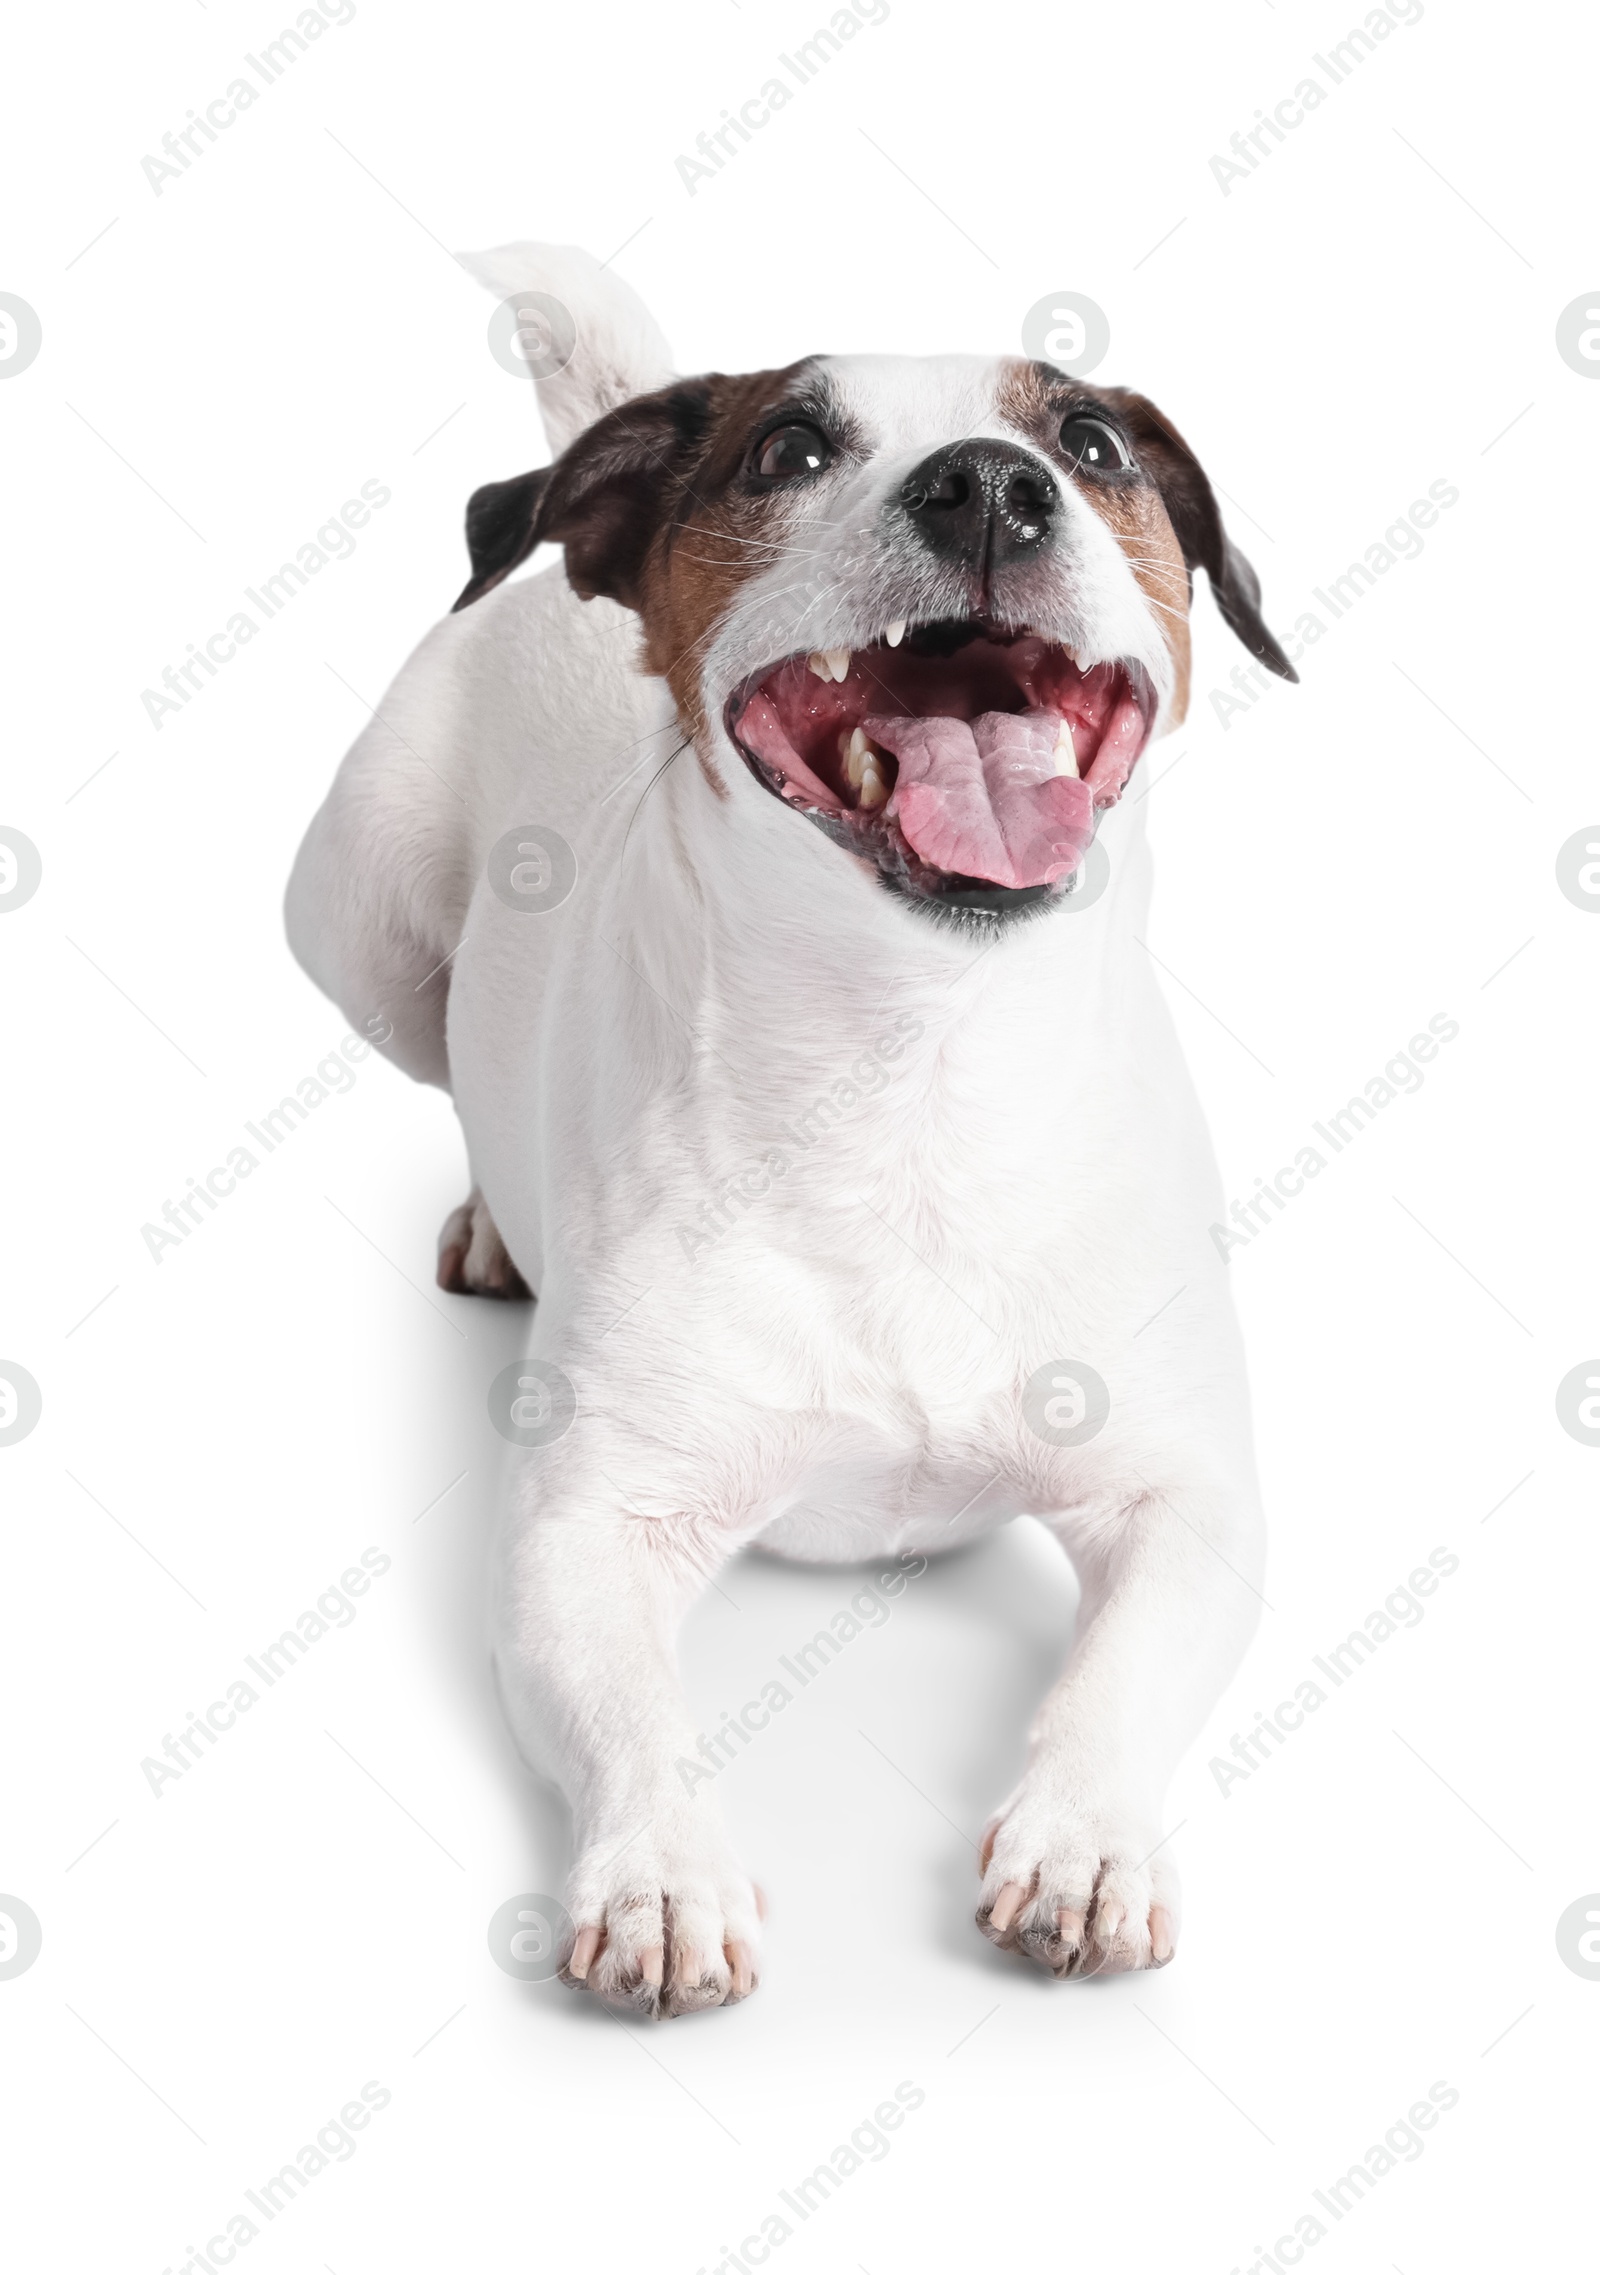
(937,607)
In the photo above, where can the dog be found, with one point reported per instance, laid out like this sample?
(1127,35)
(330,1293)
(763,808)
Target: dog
(759,883)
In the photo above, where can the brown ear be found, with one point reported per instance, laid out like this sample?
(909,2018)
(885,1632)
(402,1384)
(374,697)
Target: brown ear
(605,499)
(1197,524)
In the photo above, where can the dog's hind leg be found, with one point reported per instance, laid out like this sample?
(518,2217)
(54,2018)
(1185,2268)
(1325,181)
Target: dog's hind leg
(377,904)
(377,900)
(473,1259)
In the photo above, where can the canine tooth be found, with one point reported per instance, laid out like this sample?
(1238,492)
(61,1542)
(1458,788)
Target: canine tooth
(895,633)
(819,663)
(854,749)
(1066,757)
(839,661)
(874,788)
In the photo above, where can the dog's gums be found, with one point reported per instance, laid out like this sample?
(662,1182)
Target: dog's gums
(967,761)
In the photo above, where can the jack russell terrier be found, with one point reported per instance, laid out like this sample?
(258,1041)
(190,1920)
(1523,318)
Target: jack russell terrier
(739,878)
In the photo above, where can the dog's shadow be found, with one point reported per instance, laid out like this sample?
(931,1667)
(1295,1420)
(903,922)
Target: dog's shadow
(464,1526)
(1005,1611)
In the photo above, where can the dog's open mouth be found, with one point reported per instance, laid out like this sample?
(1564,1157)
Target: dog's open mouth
(969,763)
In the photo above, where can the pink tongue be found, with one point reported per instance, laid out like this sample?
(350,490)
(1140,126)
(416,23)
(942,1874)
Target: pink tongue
(984,800)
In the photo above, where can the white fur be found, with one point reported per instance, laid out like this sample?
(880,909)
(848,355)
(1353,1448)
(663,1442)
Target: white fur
(620,350)
(839,1372)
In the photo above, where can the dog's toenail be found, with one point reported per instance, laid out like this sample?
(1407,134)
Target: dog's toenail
(1006,1906)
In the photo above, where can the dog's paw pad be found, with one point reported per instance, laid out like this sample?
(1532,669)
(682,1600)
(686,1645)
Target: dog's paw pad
(472,1256)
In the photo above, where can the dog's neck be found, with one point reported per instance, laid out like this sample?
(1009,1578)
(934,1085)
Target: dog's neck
(790,966)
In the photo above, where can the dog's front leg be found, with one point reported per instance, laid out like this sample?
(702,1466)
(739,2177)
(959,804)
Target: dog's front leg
(665,1920)
(1075,1873)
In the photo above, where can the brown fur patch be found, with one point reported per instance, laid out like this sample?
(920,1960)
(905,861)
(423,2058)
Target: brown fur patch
(1035,399)
(717,537)
(1138,521)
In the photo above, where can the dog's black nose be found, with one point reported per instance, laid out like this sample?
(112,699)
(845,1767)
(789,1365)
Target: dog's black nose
(981,504)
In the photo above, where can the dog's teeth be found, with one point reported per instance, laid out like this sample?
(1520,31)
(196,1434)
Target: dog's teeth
(1066,756)
(874,788)
(819,663)
(895,633)
(838,661)
(863,770)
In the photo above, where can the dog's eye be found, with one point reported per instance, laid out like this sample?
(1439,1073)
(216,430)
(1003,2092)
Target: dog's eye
(794,449)
(1093,447)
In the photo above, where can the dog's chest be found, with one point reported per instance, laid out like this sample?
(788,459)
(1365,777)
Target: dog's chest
(870,1380)
(862,1498)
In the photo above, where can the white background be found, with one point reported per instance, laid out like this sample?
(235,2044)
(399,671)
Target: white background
(1372,310)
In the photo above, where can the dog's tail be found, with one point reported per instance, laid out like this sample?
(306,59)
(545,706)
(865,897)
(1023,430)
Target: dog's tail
(586,338)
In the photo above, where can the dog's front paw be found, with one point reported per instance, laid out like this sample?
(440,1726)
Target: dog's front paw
(663,1938)
(1080,1889)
